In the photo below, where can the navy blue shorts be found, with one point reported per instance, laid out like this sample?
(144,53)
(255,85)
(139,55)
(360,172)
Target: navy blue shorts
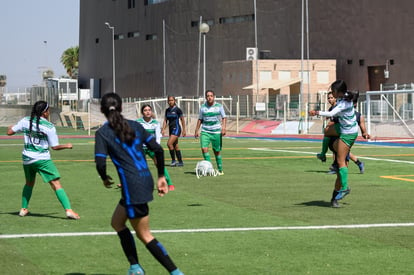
(136,210)
(176,131)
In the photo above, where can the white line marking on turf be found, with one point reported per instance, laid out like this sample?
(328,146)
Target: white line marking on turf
(312,153)
(207,230)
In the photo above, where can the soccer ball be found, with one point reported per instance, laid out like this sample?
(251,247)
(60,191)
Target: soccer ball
(205,168)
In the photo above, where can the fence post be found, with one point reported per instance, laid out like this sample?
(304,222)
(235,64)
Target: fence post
(247,106)
(188,118)
(267,105)
(89,118)
(237,116)
(284,117)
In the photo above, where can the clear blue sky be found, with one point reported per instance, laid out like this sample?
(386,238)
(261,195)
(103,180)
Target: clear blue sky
(25,26)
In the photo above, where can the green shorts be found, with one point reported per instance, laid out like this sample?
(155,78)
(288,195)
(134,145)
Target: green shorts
(46,169)
(349,139)
(214,139)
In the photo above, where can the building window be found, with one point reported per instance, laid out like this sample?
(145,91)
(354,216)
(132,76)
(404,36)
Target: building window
(133,34)
(195,24)
(119,36)
(265,75)
(151,37)
(305,77)
(322,77)
(153,2)
(236,19)
(284,75)
(131,4)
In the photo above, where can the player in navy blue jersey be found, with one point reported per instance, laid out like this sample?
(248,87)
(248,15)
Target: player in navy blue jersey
(122,140)
(173,116)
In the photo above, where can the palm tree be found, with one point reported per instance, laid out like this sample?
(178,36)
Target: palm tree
(3,80)
(69,59)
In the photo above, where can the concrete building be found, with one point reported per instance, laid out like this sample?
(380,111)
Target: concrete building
(370,40)
(278,80)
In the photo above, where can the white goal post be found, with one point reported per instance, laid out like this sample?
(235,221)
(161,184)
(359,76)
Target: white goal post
(389,114)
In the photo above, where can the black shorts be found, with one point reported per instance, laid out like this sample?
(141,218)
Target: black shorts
(136,210)
(176,131)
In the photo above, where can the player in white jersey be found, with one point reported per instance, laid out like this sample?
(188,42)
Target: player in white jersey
(153,127)
(212,120)
(39,135)
(347,129)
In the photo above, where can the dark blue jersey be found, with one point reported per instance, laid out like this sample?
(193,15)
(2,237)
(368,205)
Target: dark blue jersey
(173,115)
(130,162)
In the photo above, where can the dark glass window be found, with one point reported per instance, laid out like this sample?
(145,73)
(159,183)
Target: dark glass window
(152,36)
(131,4)
(236,19)
(133,34)
(153,2)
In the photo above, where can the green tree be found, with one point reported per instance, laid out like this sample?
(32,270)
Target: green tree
(70,60)
(3,80)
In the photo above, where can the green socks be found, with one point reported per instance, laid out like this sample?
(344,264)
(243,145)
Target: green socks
(26,195)
(206,156)
(219,162)
(63,198)
(343,175)
(325,145)
(167,176)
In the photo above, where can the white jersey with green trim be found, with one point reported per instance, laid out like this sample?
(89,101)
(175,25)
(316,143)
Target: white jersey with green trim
(153,127)
(345,112)
(211,117)
(36,142)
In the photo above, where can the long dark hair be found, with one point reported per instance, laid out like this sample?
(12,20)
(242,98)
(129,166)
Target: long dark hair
(340,86)
(111,107)
(37,110)
(145,106)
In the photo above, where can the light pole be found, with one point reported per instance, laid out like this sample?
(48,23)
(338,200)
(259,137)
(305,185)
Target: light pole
(204,28)
(112,28)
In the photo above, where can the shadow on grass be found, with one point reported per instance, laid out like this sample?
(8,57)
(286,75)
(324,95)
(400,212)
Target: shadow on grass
(191,173)
(76,273)
(316,203)
(318,171)
(31,214)
(321,203)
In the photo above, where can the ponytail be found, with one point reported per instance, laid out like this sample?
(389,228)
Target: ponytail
(111,107)
(38,109)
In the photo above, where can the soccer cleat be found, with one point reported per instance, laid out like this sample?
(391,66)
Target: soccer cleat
(72,215)
(361,166)
(334,203)
(342,193)
(321,157)
(173,163)
(331,172)
(135,269)
(171,187)
(23,212)
(220,173)
(176,272)
(334,167)
(180,164)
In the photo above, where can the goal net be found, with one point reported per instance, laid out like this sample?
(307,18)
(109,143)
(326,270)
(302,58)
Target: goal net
(389,114)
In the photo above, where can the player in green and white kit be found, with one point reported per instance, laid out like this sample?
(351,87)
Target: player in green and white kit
(39,134)
(347,130)
(153,127)
(212,120)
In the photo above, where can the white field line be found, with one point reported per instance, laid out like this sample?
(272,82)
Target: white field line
(208,230)
(312,153)
(21,144)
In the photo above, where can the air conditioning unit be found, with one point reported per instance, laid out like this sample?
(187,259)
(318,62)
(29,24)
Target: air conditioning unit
(251,53)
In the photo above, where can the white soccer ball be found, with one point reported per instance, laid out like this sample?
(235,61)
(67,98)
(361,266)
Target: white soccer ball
(205,168)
